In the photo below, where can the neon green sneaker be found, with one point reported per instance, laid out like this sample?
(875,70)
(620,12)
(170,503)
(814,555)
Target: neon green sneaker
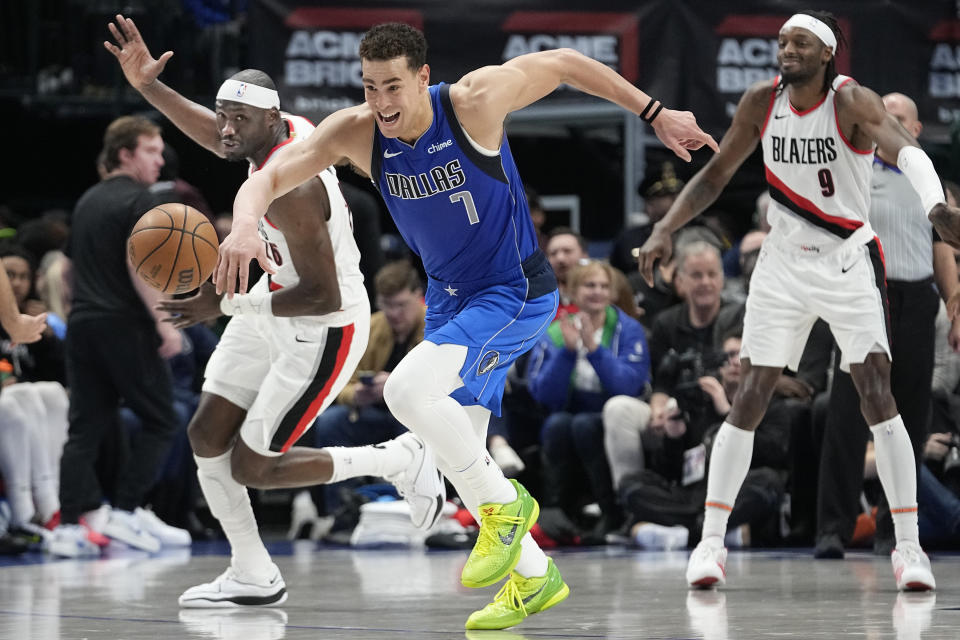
(502,527)
(520,597)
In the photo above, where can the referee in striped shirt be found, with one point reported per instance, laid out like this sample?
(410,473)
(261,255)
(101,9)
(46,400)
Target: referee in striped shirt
(916,260)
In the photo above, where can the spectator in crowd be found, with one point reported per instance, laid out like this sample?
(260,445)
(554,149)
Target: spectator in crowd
(670,490)
(33,412)
(537,215)
(565,250)
(657,198)
(170,187)
(585,358)
(53,286)
(360,416)
(747,251)
(116,346)
(914,259)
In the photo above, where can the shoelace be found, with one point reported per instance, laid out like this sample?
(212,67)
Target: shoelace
(509,594)
(487,538)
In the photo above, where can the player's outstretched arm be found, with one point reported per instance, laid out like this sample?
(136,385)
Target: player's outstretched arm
(142,71)
(490,93)
(702,190)
(865,108)
(347,133)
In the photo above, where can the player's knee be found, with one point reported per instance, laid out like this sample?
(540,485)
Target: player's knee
(204,440)
(401,394)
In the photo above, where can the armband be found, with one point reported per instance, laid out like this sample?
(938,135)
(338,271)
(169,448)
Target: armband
(259,304)
(916,165)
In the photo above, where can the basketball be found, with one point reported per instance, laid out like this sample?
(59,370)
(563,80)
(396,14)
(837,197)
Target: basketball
(173,247)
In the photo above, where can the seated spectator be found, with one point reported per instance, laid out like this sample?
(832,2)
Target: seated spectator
(360,416)
(33,411)
(565,250)
(748,250)
(670,490)
(584,359)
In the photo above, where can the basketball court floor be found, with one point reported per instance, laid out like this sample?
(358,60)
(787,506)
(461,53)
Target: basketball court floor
(394,594)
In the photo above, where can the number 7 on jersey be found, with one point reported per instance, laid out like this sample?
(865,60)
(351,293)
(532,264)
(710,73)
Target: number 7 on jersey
(467,199)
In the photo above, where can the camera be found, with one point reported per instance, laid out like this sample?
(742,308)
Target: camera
(365,377)
(680,372)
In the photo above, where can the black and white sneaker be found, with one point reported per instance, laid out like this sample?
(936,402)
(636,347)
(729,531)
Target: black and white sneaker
(230,589)
(420,484)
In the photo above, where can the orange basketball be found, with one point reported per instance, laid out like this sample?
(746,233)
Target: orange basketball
(173,247)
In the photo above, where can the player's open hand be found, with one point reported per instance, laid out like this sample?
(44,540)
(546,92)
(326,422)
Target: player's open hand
(946,220)
(241,245)
(678,130)
(25,329)
(659,246)
(139,67)
(190,311)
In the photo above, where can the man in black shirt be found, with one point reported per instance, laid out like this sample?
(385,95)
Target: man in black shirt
(116,346)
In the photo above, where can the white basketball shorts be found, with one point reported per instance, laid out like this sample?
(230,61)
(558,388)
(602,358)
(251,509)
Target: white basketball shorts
(284,372)
(791,287)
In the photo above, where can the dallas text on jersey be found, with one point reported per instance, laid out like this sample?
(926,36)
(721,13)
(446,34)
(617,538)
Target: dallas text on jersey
(437,179)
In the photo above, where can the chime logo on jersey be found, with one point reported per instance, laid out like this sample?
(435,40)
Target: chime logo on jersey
(803,150)
(423,185)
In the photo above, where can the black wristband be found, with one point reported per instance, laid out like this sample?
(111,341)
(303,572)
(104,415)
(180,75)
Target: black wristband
(655,114)
(643,114)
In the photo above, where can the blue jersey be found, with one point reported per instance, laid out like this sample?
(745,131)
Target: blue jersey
(462,211)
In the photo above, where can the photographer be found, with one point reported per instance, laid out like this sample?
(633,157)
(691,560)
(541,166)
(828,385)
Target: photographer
(671,490)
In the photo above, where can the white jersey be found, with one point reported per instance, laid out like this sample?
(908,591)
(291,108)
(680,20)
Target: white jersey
(346,255)
(819,182)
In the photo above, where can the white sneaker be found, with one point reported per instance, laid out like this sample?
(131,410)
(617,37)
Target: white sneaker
(706,567)
(508,460)
(126,527)
(420,484)
(70,541)
(168,535)
(230,589)
(911,568)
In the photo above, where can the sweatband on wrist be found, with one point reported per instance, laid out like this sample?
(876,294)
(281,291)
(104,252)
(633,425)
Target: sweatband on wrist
(916,165)
(250,304)
(816,26)
(649,119)
(251,94)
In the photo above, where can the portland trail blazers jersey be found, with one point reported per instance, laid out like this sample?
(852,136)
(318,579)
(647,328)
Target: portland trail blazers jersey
(460,207)
(819,182)
(353,295)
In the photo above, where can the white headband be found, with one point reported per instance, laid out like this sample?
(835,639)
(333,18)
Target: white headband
(817,27)
(251,94)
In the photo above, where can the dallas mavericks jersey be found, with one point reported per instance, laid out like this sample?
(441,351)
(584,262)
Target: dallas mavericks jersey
(346,255)
(461,208)
(819,182)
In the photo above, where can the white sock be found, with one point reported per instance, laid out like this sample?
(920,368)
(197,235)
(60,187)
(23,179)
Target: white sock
(729,463)
(897,469)
(533,561)
(418,394)
(230,505)
(381,460)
